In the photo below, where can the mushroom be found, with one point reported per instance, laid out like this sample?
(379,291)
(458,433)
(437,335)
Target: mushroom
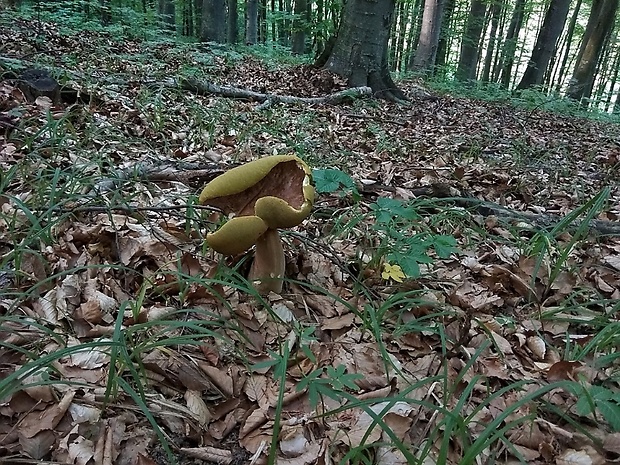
(260,197)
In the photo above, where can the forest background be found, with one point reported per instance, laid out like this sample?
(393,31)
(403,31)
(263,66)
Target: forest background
(559,47)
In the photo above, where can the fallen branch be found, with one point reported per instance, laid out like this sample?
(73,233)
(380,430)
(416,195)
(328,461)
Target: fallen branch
(186,173)
(485,208)
(209,88)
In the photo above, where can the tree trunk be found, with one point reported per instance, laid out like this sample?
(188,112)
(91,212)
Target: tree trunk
(444,31)
(360,53)
(468,60)
(251,22)
(510,44)
(496,11)
(426,51)
(319,31)
(546,43)
(262,21)
(106,12)
(232,34)
(600,23)
(558,76)
(198,15)
(299,27)
(612,83)
(167,14)
(188,19)
(213,21)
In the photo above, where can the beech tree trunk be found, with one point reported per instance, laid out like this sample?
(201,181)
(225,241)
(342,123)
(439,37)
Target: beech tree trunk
(510,44)
(299,27)
(468,60)
(251,22)
(166,11)
(442,47)
(213,21)
(496,12)
(426,51)
(233,22)
(360,52)
(600,24)
(546,43)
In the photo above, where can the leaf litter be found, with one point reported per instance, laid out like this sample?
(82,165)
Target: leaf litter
(121,335)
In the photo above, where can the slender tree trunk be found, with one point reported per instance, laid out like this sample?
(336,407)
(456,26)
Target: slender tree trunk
(188,19)
(401,52)
(251,22)
(106,12)
(615,67)
(499,44)
(442,46)
(469,45)
(232,34)
(198,15)
(602,70)
(510,44)
(426,51)
(558,77)
(299,27)
(546,43)
(166,11)
(360,53)
(600,23)
(262,21)
(320,32)
(397,26)
(496,11)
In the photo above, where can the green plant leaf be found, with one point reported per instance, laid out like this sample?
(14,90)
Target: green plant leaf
(387,210)
(444,246)
(331,180)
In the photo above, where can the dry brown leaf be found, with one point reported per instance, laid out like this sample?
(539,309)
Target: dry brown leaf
(197,407)
(210,454)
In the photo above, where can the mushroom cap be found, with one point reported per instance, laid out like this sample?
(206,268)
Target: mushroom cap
(277,189)
(237,235)
(245,176)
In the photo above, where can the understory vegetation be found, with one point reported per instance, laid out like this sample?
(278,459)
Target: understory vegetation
(453,299)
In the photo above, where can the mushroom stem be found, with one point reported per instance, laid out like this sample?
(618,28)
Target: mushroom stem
(268,266)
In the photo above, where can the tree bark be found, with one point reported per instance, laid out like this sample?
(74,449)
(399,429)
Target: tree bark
(426,51)
(300,22)
(468,60)
(442,46)
(546,43)
(496,11)
(251,22)
(360,53)
(167,13)
(233,22)
(600,23)
(213,21)
(557,76)
(510,44)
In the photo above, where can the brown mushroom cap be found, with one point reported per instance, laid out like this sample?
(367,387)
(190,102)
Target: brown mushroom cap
(284,177)
(262,196)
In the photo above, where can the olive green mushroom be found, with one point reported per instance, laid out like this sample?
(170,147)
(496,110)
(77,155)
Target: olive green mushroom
(260,197)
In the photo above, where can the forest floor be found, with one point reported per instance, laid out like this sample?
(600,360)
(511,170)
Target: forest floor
(474,319)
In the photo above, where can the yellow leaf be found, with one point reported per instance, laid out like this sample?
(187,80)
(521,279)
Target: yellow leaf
(393,272)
